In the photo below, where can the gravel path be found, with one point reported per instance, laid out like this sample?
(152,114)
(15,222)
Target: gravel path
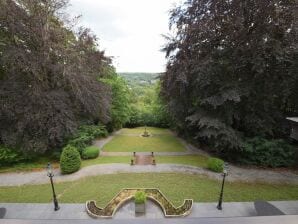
(236,174)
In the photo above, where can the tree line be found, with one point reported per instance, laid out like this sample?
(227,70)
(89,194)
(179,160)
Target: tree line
(54,79)
(231,77)
(50,73)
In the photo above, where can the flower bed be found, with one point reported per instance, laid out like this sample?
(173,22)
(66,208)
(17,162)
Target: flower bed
(125,195)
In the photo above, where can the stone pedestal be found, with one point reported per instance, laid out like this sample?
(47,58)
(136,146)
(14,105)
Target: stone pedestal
(140,208)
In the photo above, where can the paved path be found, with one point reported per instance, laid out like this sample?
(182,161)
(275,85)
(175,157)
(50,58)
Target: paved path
(126,212)
(236,174)
(233,220)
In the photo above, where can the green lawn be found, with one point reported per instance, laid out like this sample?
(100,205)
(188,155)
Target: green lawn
(107,159)
(151,130)
(36,165)
(175,186)
(161,143)
(193,160)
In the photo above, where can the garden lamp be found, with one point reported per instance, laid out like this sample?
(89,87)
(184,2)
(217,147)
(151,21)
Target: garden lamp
(51,175)
(224,174)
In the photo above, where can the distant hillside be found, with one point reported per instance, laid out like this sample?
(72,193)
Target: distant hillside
(137,78)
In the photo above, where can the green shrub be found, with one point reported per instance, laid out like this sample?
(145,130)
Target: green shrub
(70,160)
(264,152)
(90,152)
(81,142)
(215,164)
(9,156)
(85,135)
(95,131)
(140,197)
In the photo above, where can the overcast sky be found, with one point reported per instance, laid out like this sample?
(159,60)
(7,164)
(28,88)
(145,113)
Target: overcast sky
(128,30)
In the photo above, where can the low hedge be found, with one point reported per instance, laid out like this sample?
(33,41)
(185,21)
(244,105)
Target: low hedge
(215,164)
(90,152)
(70,160)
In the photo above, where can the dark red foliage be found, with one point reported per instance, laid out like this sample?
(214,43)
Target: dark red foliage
(48,76)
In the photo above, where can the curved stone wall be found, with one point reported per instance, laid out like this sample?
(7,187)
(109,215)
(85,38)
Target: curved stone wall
(125,195)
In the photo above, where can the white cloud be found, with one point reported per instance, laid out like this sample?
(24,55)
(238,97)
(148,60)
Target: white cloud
(128,30)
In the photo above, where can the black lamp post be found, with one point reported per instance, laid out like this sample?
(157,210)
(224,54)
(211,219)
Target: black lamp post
(224,174)
(51,175)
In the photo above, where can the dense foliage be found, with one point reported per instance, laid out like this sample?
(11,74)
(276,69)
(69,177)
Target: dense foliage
(70,160)
(90,152)
(120,108)
(274,153)
(215,164)
(232,70)
(48,76)
(85,135)
(9,156)
(147,108)
(140,79)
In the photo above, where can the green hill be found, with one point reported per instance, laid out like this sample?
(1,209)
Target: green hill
(140,78)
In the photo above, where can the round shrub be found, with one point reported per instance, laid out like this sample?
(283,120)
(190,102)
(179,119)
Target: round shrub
(140,197)
(215,164)
(90,152)
(70,160)
(81,142)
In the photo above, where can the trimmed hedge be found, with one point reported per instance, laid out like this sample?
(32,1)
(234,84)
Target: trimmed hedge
(90,152)
(215,164)
(70,160)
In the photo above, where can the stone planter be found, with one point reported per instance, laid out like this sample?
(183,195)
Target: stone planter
(129,194)
(140,208)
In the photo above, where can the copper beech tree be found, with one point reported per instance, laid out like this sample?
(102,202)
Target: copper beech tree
(232,69)
(49,72)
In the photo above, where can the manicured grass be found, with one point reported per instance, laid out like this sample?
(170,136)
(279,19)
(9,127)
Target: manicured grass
(175,186)
(106,159)
(193,160)
(140,130)
(36,165)
(161,143)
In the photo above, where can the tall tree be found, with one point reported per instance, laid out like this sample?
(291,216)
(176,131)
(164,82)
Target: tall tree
(48,76)
(120,106)
(232,68)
